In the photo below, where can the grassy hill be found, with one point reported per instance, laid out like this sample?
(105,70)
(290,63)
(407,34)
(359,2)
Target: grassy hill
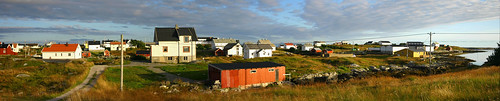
(478,84)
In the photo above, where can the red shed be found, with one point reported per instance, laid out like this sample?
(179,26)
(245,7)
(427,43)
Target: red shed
(316,50)
(327,51)
(242,75)
(6,49)
(86,54)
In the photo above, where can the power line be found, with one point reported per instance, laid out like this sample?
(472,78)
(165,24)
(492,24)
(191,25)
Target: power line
(467,33)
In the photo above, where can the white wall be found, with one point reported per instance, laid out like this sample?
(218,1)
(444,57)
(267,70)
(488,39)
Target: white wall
(252,53)
(175,48)
(290,46)
(116,47)
(305,48)
(95,47)
(235,51)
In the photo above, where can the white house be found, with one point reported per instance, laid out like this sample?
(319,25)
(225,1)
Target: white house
(62,51)
(115,46)
(385,43)
(419,45)
(95,46)
(391,49)
(16,47)
(221,43)
(290,45)
(174,45)
(265,41)
(233,49)
(205,40)
(257,50)
(307,47)
(107,43)
(319,43)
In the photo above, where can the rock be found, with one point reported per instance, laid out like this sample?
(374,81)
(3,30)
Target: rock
(25,64)
(22,75)
(354,65)
(163,87)
(217,82)
(383,68)
(20,93)
(373,68)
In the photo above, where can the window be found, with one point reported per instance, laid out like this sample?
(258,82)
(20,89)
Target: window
(186,58)
(169,58)
(4,51)
(165,48)
(271,70)
(185,49)
(253,71)
(61,54)
(55,54)
(69,54)
(186,39)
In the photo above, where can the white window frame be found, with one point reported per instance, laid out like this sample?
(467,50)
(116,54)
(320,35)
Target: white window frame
(253,71)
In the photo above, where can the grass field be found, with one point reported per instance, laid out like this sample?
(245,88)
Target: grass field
(192,71)
(45,81)
(478,84)
(136,77)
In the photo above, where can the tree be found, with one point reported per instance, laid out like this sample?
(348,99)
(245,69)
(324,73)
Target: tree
(138,43)
(494,59)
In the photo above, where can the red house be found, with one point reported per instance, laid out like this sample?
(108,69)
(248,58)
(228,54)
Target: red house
(243,75)
(327,51)
(316,50)
(6,49)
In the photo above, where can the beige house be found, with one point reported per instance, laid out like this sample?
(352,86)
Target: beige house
(174,45)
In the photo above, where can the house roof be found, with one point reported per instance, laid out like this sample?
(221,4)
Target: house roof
(308,45)
(266,42)
(116,43)
(288,43)
(4,45)
(259,46)
(224,41)
(230,45)
(172,34)
(61,48)
(248,65)
(94,42)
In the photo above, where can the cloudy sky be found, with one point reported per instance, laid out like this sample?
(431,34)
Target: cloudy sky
(249,20)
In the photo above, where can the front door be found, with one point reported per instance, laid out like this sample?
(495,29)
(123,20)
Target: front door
(277,75)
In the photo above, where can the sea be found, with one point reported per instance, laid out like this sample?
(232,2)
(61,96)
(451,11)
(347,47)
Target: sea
(479,57)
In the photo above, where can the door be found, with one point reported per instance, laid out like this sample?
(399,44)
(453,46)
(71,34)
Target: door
(277,75)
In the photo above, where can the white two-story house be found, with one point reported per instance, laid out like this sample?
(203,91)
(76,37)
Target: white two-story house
(174,45)
(257,50)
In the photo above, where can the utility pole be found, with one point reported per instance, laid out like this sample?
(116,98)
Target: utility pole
(121,63)
(430,48)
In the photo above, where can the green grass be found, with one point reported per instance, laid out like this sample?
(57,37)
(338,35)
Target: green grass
(191,71)
(134,77)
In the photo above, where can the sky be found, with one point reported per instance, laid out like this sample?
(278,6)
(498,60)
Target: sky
(296,21)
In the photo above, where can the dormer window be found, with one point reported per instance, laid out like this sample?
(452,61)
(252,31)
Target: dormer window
(186,39)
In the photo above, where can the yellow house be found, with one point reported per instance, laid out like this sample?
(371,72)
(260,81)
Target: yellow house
(411,53)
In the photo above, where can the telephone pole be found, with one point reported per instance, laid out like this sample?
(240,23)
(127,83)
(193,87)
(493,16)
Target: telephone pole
(121,63)
(430,48)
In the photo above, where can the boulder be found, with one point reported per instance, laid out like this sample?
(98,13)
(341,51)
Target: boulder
(22,75)
(354,65)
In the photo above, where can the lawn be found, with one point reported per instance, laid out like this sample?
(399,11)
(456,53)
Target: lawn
(192,71)
(134,77)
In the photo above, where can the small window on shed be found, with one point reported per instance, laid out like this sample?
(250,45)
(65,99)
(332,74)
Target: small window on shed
(253,71)
(271,70)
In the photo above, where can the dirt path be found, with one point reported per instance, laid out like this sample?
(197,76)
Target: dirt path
(94,70)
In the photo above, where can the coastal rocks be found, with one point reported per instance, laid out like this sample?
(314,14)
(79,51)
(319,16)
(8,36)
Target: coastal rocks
(318,77)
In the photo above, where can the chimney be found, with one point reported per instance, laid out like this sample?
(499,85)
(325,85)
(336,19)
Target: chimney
(66,44)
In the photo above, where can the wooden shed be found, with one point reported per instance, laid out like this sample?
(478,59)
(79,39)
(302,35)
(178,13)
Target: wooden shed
(243,75)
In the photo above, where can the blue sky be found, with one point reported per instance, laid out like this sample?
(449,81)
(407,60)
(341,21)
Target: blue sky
(280,21)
